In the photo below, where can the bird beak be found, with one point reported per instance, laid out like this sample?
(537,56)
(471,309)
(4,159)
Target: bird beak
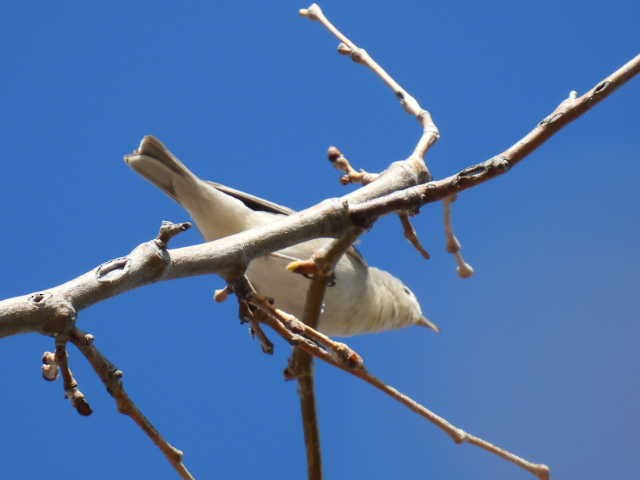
(425,322)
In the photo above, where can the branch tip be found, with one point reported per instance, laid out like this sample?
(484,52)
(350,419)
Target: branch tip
(340,162)
(312,12)
(168,230)
(220,295)
(359,55)
(412,236)
(112,379)
(465,270)
(333,154)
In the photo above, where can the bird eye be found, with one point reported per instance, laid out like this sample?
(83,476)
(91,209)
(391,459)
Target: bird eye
(407,291)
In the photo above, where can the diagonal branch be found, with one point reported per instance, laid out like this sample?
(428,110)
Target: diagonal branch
(149,263)
(567,111)
(112,379)
(300,336)
(331,218)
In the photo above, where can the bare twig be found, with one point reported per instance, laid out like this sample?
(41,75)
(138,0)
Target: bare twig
(32,313)
(168,230)
(247,314)
(112,379)
(295,331)
(281,321)
(436,190)
(458,435)
(301,362)
(430,132)
(453,244)
(411,235)
(71,390)
(265,343)
(351,175)
(339,161)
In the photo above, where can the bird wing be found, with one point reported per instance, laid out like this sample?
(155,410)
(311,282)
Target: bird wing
(262,205)
(253,202)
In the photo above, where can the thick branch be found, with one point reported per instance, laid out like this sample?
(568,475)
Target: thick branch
(148,263)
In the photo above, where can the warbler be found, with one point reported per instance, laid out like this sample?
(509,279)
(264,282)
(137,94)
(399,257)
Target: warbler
(362,299)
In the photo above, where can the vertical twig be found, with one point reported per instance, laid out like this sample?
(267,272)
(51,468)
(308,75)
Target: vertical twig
(301,363)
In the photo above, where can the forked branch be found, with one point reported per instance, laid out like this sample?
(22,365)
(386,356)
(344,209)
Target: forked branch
(430,133)
(397,189)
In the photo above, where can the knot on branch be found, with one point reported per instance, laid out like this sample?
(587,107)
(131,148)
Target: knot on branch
(474,171)
(358,55)
(149,258)
(500,162)
(39,299)
(601,88)
(112,270)
(494,166)
(59,313)
(554,117)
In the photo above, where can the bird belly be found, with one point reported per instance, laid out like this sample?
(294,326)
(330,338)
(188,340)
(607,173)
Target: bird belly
(341,308)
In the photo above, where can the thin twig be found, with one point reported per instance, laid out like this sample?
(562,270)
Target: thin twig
(301,362)
(293,330)
(31,313)
(411,235)
(70,385)
(112,379)
(246,314)
(168,230)
(277,319)
(430,132)
(454,247)
(458,435)
(351,175)
(568,110)
(297,334)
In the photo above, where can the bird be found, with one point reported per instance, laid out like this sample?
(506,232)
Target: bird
(361,299)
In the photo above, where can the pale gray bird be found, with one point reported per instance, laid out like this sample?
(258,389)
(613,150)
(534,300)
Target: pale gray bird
(364,299)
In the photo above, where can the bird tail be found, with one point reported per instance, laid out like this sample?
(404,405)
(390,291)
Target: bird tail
(157,164)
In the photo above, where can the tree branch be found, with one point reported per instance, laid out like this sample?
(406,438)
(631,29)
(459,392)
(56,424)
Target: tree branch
(400,188)
(301,362)
(147,263)
(564,113)
(112,379)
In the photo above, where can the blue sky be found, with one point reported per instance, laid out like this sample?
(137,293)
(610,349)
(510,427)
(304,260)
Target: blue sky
(538,352)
